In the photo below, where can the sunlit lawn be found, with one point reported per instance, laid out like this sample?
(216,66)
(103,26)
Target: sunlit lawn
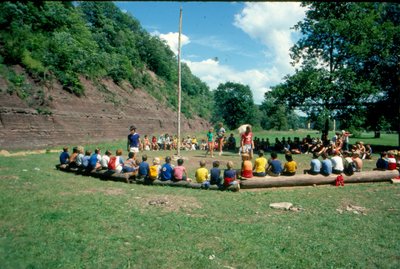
(52,219)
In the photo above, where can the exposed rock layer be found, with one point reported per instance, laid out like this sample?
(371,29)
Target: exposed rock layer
(103,114)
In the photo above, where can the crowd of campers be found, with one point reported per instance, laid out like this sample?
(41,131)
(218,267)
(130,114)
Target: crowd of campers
(327,158)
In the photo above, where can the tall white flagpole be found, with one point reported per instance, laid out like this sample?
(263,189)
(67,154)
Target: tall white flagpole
(179,83)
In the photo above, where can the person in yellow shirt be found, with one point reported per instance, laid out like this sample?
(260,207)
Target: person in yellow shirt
(202,174)
(260,165)
(290,167)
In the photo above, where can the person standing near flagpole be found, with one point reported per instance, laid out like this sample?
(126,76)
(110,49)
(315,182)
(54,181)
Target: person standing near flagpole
(220,137)
(246,142)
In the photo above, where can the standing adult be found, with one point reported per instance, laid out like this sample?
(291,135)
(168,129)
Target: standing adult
(346,136)
(133,144)
(247,143)
(220,137)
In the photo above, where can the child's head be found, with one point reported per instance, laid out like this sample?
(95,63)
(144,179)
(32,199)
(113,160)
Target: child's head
(274,155)
(180,162)
(215,163)
(289,157)
(261,153)
(137,162)
(168,159)
(211,129)
(75,149)
(355,154)
(65,149)
(229,165)
(88,153)
(346,154)
(144,157)
(383,154)
(245,157)
(118,152)
(248,129)
(131,155)
(97,151)
(324,155)
(156,161)
(315,155)
(108,153)
(80,149)
(202,163)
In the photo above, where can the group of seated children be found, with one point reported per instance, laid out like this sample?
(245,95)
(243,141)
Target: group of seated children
(272,167)
(347,163)
(90,161)
(388,161)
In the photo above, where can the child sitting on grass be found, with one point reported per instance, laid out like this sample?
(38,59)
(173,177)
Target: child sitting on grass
(382,163)
(105,159)
(72,158)
(326,165)
(64,156)
(79,158)
(391,160)
(180,171)
(215,174)
(315,165)
(229,175)
(94,161)
(167,170)
(86,158)
(130,165)
(260,165)
(154,170)
(274,168)
(290,167)
(144,168)
(202,174)
(116,162)
(247,166)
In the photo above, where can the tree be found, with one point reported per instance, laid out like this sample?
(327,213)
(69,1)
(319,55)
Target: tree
(234,105)
(277,115)
(349,58)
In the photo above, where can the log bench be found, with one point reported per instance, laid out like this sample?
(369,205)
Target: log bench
(131,178)
(307,179)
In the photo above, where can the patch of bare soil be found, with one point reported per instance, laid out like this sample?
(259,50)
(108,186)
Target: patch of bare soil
(8,177)
(171,203)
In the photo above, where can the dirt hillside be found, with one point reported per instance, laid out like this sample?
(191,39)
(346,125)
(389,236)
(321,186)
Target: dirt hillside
(103,114)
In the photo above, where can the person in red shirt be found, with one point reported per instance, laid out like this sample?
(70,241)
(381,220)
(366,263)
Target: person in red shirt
(247,143)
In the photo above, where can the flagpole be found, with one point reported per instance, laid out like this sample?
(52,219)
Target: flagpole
(179,83)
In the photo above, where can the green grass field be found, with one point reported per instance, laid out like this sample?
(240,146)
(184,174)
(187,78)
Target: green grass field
(52,219)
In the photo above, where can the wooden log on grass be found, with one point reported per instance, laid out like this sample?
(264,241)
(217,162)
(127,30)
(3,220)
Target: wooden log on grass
(307,180)
(102,174)
(187,184)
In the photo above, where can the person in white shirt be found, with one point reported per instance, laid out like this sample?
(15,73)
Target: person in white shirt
(337,163)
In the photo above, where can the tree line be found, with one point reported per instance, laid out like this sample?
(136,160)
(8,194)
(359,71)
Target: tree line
(347,63)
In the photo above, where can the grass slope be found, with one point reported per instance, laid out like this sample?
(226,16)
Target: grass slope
(51,219)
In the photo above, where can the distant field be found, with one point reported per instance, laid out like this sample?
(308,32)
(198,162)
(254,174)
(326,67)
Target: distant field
(52,219)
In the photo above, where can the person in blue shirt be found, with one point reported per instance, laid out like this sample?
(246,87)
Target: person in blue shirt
(166,170)
(326,165)
(144,168)
(274,165)
(315,165)
(64,156)
(133,144)
(382,163)
(215,174)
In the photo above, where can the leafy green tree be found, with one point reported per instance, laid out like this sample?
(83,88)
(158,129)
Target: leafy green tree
(234,104)
(349,58)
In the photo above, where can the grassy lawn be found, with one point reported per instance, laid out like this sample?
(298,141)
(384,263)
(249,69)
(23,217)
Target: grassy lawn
(51,219)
